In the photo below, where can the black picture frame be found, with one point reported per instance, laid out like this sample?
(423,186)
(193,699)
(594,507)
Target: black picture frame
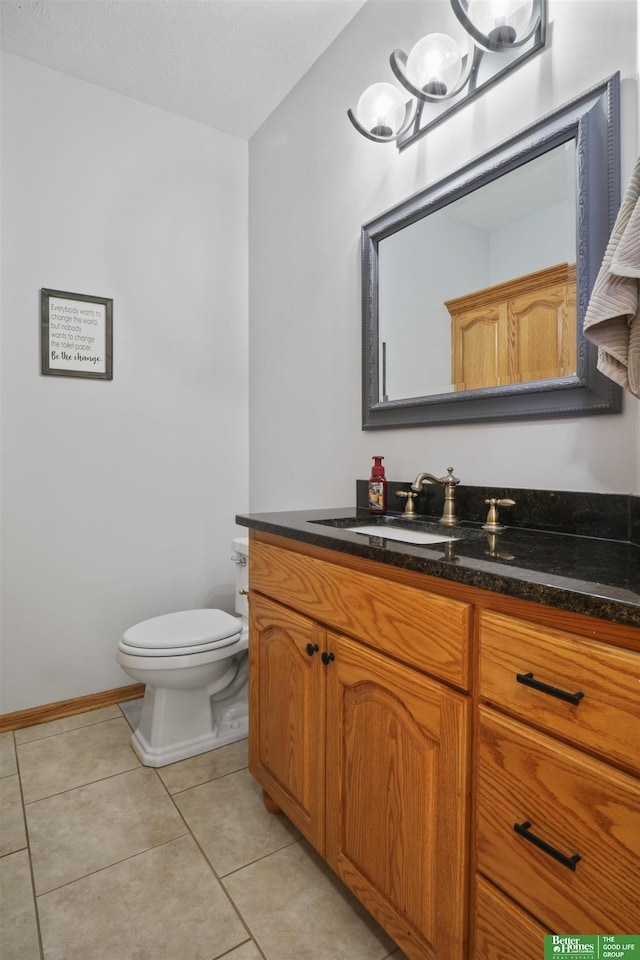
(76,335)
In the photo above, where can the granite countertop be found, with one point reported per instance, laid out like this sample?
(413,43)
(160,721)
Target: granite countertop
(586,575)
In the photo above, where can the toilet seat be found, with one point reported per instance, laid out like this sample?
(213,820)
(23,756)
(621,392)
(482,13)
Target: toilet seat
(178,651)
(184,633)
(183,660)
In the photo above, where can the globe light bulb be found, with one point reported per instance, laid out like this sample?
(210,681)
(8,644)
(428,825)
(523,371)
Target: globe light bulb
(434,65)
(503,22)
(381,110)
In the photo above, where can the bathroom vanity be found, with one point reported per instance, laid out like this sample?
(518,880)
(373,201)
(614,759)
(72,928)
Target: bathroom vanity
(455,730)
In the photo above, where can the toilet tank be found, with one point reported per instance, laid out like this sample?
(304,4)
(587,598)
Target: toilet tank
(241,559)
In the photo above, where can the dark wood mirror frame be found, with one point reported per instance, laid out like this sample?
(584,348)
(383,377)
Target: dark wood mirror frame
(593,121)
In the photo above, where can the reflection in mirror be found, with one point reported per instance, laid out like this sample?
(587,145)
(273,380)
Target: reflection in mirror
(474,290)
(521,223)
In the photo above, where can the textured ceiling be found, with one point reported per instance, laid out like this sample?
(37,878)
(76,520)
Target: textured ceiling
(224,63)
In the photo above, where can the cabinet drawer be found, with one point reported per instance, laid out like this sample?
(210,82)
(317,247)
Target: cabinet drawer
(576,805)
(419,628)
(606,719)
(503,930)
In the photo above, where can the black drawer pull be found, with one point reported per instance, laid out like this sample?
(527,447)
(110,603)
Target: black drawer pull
(311,648)
(527,679)
(523,830)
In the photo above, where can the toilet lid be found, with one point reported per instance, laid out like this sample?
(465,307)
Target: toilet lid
(186,630)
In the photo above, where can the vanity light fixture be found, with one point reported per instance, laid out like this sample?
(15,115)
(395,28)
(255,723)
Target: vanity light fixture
(439,75)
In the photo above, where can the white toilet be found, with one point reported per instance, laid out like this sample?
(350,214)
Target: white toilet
(194,665)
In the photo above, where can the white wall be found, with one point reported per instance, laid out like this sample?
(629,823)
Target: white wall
(314,181)
(416,277)
(537,241)
(118,497)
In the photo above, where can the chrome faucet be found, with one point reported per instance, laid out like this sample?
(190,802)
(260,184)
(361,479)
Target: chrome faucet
(449,483)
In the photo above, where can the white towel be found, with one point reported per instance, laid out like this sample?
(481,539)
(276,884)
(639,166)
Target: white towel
(612,320)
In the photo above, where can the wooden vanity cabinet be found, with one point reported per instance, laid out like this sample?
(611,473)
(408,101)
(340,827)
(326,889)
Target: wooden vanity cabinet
(366,754)
(406,726)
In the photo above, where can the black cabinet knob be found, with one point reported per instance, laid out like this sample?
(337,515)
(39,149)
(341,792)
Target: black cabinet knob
(326,657)
(312,648)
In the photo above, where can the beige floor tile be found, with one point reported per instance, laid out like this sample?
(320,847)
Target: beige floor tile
(18,927)
(71,759)
(164,904)
(297,909)
(84,830)
(208,766)
(230,823)
(8,765)
(41,730)
(12,832)
(248,951)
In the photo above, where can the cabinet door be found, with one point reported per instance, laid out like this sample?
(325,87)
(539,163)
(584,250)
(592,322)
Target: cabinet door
(397,801)
(542,334)
(286,714)
(479,348)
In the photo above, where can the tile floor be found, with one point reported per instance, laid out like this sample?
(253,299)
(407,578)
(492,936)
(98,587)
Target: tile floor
(102,858)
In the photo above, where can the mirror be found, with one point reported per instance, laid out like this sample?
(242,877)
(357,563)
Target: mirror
(520,223)
(475,289)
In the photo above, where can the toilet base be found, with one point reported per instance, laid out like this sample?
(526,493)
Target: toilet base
(177,724)
(172,752)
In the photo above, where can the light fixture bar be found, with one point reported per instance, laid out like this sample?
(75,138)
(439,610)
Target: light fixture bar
(501,35)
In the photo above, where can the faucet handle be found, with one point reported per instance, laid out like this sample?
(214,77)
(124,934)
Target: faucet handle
(409,510)
(493,520)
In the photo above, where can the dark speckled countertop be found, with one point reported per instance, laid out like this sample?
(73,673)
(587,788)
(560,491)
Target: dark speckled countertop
(588,575)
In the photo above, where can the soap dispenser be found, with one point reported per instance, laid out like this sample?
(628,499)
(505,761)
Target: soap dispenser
(377,487)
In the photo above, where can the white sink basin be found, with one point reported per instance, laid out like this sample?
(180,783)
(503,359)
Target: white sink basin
(400,533)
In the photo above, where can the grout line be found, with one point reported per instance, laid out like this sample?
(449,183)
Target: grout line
(78,786)
(108,866)
(28,841)
(87,783)
(237,947)
(265,856)
(202,783)
(62,733)
(206,858)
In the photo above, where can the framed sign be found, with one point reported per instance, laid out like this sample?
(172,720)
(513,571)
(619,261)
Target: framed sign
(77,335)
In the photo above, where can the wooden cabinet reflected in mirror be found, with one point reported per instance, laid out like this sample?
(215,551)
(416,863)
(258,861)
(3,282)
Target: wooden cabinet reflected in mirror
(515,332)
